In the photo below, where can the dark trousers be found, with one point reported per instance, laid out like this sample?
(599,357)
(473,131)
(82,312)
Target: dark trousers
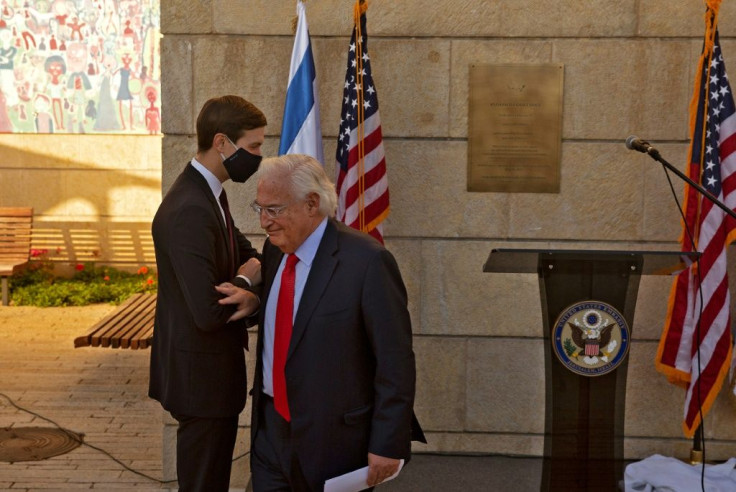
(204,452)
(274,464)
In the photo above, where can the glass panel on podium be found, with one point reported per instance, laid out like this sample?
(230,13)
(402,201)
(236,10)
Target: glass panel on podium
(588,302)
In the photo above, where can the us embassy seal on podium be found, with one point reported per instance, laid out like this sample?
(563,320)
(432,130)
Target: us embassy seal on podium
(591,338)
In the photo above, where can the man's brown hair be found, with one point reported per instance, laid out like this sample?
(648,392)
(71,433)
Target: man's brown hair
(231,115)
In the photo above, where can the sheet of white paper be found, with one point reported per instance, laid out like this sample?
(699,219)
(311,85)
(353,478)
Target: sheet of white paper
(355,480)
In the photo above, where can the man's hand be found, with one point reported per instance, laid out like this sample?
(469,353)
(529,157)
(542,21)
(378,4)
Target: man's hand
(252,270)
(247,302)
(380,468)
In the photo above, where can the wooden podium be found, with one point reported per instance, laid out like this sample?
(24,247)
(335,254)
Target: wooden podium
(584,415)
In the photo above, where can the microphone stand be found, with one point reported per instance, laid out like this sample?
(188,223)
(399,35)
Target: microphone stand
(654,154)
(696,453)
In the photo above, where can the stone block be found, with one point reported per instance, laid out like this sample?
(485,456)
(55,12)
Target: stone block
(176,152)
(598,198)
(187,16)
(458,298)
(234,65)
(607,83)
(28,179)
(168,454)
(505,386)
(259,17)
(662,18)
(720,422)
(651,307)
(653,405)
(116,193)
(413,97)
(179,115)
(409,257)
(107,152)
(441,388)
(661,217)
(429,197)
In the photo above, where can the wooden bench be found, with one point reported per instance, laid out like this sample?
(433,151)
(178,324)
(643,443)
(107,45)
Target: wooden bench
(15,242)
(130,325)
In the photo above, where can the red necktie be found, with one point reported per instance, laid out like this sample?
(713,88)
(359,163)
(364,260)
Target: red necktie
(229,224)
(282,337)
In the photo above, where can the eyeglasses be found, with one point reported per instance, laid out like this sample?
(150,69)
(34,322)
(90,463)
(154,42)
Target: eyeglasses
(271,212)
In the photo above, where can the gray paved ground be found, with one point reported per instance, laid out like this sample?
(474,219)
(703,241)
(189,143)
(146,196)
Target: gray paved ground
(98,392)
(102,394)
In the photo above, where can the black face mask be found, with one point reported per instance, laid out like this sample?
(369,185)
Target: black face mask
(241,165)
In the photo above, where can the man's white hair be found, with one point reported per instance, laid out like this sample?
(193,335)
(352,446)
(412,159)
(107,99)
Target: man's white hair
(305,175)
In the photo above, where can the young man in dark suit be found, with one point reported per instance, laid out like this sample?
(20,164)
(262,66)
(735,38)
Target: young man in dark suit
(197,358)
(335,371)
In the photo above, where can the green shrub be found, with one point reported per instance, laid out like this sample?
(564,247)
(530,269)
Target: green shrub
(37,286)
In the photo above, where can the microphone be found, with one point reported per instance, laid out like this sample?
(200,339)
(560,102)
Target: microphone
(635,143)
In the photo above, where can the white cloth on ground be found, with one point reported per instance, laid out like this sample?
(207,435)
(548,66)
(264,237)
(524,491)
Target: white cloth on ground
(659,474)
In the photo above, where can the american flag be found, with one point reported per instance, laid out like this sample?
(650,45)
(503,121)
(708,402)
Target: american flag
(695,350)
(362,186)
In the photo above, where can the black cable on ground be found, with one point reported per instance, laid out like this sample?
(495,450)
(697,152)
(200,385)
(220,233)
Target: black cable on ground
(76,437)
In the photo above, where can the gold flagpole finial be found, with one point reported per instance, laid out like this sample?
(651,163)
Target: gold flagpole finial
(295,20)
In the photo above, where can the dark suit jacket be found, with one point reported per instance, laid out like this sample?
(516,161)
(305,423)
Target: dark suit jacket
(197,358)
(350,370)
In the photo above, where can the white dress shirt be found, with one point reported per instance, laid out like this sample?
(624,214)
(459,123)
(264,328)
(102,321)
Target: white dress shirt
(305,253)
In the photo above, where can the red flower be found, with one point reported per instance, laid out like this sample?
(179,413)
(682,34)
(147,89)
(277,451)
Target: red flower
(142,270)
(79,267)
(106,278)
(35,253)
(149,281)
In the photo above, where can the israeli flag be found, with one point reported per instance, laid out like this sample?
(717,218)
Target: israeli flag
(300,131)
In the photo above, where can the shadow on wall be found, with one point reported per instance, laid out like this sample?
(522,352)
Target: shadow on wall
(93,197)
(121,244)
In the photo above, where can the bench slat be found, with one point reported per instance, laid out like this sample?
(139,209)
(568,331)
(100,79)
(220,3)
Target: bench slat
(118,327)
(142,316)
(15,242)
(111,324)
(130,325)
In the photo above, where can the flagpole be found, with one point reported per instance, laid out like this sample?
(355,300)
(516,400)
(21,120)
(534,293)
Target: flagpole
(696,453)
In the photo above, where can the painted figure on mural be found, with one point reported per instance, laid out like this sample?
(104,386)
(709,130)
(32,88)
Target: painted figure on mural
(77,84)
(153,115)
(124,90)
(56,68)
(76,28)
(8,53)
(42,118)
(107,119)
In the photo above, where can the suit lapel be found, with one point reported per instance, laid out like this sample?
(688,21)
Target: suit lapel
(323,267)
(195,176)
(272,258)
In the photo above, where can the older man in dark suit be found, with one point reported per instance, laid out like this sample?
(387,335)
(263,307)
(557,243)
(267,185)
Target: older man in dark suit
(335,373)
(197,358)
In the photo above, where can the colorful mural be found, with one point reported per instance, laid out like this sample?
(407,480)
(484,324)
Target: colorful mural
(80,66)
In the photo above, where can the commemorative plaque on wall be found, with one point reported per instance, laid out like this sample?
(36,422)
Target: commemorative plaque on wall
(515,128)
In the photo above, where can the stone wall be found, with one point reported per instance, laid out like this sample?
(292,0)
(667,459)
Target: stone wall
(628,68)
